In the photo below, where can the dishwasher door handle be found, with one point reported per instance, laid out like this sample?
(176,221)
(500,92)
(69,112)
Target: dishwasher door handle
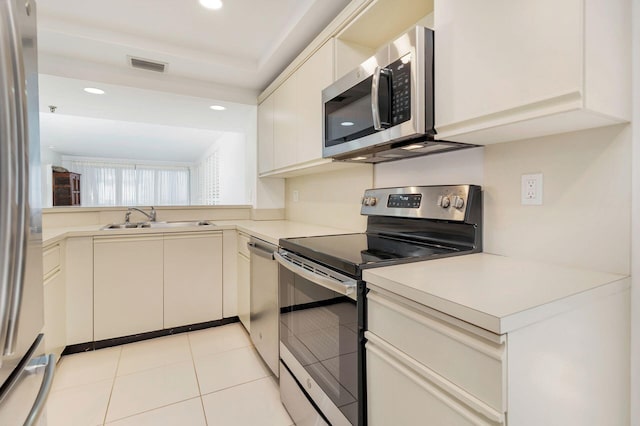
(261,251)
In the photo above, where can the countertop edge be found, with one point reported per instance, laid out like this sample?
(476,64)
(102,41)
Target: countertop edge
(497,323)
(267,230)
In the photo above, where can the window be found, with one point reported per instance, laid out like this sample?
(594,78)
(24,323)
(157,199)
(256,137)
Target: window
(105,183)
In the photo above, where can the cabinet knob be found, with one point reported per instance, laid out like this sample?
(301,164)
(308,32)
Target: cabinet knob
(308,383)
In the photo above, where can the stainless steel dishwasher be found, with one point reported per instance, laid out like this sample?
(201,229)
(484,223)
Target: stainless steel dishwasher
(264,308)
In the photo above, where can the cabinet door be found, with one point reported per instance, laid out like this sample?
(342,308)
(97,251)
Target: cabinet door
(127,285)
(285,118)
(78,274)
(192,278)
(403,392)
(55,309)
(244,300)
(495,57)
(265,135)
(314,75)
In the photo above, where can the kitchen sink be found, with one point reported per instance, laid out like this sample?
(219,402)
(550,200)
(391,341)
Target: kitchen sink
(180,223)
(127,225)
(171,224)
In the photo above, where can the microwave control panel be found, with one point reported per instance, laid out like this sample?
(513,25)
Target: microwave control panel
(401,90)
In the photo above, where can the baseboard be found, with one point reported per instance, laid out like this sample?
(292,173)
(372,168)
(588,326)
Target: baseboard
(107,343)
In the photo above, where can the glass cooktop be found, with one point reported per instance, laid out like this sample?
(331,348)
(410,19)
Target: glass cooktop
(350,253)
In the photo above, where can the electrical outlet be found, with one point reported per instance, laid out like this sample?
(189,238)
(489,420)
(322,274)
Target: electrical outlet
(532,190)
(296,196)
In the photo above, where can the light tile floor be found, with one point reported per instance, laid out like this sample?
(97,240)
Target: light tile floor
(207,377)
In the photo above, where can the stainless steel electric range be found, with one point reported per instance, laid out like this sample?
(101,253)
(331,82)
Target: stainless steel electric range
(322,295)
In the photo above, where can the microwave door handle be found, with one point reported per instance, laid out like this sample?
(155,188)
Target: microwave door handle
(375,99)
(378,124)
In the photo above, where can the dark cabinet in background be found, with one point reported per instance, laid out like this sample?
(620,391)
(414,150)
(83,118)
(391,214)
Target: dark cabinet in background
(66,189)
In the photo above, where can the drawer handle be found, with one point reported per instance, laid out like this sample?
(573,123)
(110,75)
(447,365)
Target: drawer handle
(431,381)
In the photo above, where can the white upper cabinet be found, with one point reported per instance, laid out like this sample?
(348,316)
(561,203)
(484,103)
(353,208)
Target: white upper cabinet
(285,123)
(508,70)
(265,135)
(312,77)
(290,119)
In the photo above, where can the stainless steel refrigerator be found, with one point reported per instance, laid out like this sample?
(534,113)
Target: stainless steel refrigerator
(26,372)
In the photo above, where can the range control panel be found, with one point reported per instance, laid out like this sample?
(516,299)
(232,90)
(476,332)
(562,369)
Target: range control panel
(405,201)
(442,202)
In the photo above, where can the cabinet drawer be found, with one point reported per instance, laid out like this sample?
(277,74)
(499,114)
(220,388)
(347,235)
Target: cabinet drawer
(50,259)
(473,363)
(243,239)
(402,391)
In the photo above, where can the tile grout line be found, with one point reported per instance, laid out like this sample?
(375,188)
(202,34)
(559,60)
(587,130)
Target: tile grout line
(239,384)
(113,384)
(195,371)
(152,409)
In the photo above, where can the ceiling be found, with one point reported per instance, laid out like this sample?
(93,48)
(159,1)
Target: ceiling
(223,57)
(237,50)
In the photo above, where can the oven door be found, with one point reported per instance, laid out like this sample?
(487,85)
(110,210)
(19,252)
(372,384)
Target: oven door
(319,337)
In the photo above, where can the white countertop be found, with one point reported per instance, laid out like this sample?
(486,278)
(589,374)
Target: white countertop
(268,230)
(497,293)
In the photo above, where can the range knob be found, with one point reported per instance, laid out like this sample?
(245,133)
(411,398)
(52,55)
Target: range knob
(458,202)
(445,202)
(369,201)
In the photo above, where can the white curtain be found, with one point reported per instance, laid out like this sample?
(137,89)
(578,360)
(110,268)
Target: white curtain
(120,184)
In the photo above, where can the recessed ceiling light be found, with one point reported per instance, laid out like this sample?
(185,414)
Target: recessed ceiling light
(94,91)
(358,158)
(51,147)
(347,123)
(211,4)
(217,107)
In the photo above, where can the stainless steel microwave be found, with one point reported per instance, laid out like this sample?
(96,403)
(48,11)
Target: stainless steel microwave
(384,109)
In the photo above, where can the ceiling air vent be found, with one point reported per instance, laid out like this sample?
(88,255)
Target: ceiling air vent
(147,64)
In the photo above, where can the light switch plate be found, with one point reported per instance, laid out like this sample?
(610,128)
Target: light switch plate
(532,190)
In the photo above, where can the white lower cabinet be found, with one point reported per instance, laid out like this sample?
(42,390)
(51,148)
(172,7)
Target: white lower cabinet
(128,285)
(427,367)
(244,281)
(78,276)
(401,391)
(192,278)
(55,327)
(156,281)
(421,367)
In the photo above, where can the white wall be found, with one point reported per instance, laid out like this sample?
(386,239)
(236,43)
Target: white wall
(233,169)
(635,215)
(330,199)
(457,167)
(585,217)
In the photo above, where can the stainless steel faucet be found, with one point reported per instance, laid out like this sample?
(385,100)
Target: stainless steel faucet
(151,215)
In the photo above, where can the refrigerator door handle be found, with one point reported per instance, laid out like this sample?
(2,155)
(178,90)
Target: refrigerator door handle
(43,393)
(22,160)
(8,170)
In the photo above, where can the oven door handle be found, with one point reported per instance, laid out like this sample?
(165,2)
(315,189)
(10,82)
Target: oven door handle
(342,287)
